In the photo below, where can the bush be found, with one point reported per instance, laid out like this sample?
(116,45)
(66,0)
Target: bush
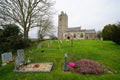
(86,66)
(108,31)
(116,34)
(11,38)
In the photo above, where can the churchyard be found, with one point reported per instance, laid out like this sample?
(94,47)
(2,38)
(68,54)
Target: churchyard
(55,54)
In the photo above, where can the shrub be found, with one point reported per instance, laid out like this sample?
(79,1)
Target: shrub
(116,34)
(86,66)
(11,38)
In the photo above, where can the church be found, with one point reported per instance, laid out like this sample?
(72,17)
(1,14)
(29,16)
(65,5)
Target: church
(75,33)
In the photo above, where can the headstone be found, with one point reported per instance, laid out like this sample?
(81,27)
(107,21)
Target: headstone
(40,45)
(6,57)
(18,60)
(59,45)
(61,42)
(51,42)
(48,44)
(20,53)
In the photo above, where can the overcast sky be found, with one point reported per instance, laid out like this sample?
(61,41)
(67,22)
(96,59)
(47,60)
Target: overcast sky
(89,14)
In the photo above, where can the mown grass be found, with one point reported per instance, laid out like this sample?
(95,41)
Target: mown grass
(105,52)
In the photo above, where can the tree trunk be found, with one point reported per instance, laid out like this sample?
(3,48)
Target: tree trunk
(25,35)
(40,38)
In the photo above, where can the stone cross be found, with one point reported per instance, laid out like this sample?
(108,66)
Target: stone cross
(65,63)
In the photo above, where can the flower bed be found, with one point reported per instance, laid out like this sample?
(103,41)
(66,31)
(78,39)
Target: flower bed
(86,66)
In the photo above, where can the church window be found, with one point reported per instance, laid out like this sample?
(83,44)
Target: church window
(65,35)
(81,35)
(60,19)
(91,36)
(74,35)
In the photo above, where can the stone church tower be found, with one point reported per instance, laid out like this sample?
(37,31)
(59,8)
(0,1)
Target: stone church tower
(62,24)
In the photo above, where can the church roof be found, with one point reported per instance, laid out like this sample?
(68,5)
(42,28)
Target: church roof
(78,29)
(74,29)
(90,31)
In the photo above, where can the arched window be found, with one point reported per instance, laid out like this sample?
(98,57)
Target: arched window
(81,35)
(74,35)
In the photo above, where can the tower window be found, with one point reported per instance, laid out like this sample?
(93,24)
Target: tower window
(60,19)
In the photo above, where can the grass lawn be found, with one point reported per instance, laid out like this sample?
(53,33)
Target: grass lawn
(105,52)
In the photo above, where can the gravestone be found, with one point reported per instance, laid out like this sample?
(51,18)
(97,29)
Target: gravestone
(19,58)
(20,53)
(40,45)
(48,44)
(51,42)
(6,57)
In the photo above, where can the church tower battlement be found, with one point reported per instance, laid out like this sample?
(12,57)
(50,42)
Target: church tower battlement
(62,24)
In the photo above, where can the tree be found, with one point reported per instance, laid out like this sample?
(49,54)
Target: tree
(25,13)
(1,32)
(11,38)
(11,30)
(116,34)
(46,27)
(108,31)
(99,34)
(53,37)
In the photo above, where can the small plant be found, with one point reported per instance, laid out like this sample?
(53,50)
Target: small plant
(87,66)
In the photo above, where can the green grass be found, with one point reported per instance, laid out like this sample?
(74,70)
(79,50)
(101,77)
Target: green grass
(105,52)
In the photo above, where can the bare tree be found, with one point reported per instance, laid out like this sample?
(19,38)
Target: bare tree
(46,27)
(25,13)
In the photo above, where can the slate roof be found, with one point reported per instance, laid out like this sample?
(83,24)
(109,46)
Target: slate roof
(78,29)
(90,31)
(74,29)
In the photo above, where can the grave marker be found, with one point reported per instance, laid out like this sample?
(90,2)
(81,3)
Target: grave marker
(48,44)
(18,60)
(20,53)
(6,57)
(65,67)
(40,45)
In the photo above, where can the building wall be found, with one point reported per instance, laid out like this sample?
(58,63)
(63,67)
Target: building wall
(74,35)
(90,36)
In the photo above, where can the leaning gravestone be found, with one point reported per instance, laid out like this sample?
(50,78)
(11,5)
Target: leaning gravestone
(18,60)
(6,57)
